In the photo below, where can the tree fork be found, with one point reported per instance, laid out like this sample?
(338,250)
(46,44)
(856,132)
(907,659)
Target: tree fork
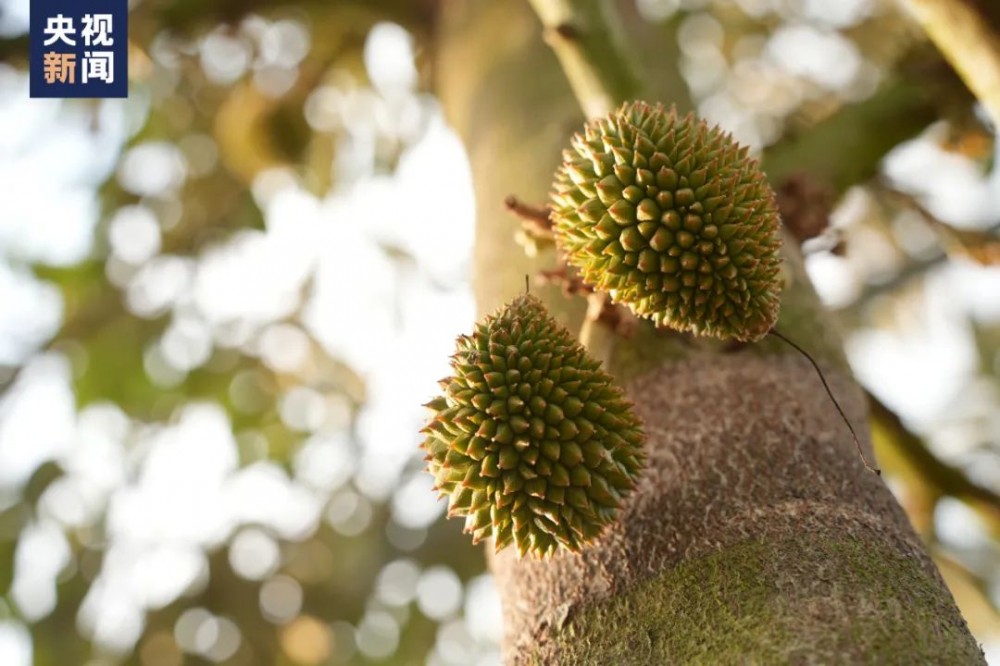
(756,533)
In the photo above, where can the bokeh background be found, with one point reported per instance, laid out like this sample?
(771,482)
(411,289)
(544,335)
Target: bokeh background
(224,300)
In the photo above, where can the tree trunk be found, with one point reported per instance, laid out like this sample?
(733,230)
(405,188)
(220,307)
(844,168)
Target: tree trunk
(756,533)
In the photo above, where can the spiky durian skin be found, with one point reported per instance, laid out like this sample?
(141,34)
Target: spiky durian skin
(532,442)
(674,220)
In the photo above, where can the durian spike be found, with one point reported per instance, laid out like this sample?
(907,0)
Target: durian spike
(533,425)
(672,219)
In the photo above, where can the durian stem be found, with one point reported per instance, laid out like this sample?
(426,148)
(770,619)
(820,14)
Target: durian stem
(588,39)
(595,335)
(538,216)
(968,41)
(833,398)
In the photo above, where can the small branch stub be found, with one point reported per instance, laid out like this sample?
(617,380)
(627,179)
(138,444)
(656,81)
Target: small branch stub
(536,226)
(537,217)
(531,441)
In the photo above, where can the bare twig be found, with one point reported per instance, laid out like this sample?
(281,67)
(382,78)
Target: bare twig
(535,216)
(571,284)
(917,268)
(833,398)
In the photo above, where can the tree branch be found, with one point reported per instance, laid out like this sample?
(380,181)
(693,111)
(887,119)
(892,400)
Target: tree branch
(847,147)
(755,532)
(916,460)
(588,39)
(969,43)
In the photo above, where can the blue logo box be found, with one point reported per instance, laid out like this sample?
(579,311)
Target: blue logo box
(79,48)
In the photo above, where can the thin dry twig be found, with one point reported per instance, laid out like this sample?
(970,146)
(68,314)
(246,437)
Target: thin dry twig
(829,392)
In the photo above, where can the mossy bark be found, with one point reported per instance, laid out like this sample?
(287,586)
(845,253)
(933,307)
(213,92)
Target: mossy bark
(756,534)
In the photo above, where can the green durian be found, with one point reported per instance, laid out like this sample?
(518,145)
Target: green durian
(532,442)
(672,219)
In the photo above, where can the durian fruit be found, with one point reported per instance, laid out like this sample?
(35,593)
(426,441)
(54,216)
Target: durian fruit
(531,442)
(674,220)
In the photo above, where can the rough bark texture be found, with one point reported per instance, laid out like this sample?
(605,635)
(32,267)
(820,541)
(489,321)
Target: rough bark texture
(756,535)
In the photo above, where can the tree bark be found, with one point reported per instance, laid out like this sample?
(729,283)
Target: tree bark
(756,534)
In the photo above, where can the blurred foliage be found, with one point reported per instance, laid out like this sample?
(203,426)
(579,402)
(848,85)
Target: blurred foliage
(237,131)
(231,130)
